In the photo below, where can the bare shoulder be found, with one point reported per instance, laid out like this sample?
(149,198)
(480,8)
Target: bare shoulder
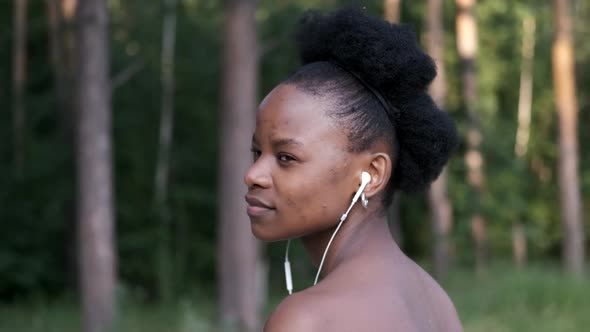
(444,309)
(295,313)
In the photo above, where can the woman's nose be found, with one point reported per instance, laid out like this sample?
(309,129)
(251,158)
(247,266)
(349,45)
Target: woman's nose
(257,176)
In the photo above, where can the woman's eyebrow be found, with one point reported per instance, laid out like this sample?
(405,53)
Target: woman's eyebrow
(281,142)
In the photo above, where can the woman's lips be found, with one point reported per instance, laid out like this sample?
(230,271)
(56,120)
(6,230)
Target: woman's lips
(257,207)
(257,211)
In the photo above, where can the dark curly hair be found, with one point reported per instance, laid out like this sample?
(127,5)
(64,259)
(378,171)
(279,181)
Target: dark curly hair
(345,51)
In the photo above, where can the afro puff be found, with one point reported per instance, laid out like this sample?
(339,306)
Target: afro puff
(387,57)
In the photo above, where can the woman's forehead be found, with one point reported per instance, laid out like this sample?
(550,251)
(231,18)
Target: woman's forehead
(290,114)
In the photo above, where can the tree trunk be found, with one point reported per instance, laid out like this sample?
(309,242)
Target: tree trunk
(525,100)
(62,50)
(95,193)
(60,17)
(467,47)
(241,268)
(440,206)
(567,108)
(19,72)
(54,19)
(164,259)
(519,245)
(392,10)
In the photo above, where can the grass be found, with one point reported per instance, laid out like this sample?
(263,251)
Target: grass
(537,299)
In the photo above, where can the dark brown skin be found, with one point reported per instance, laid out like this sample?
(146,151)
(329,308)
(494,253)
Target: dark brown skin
(301,182)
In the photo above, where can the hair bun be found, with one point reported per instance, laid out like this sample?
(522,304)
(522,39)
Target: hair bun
(427,137)
(388,57)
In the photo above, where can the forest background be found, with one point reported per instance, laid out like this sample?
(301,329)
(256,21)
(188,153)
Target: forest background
(505,231)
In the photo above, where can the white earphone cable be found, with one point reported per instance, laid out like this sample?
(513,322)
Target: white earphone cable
(344,216)
(365,179)
(288,277)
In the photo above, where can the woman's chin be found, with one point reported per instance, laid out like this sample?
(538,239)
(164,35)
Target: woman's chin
(265,235)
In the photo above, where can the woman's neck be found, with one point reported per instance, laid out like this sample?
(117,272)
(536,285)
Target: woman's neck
(358,234)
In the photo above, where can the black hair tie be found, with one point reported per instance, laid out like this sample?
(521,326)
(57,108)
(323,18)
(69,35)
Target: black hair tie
(390,110)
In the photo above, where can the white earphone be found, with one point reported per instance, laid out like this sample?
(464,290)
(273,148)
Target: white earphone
(365,180)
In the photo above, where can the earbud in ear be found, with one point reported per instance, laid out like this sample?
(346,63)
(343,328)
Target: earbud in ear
(365,180)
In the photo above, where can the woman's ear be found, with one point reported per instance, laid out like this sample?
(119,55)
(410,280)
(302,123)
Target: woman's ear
(380,168)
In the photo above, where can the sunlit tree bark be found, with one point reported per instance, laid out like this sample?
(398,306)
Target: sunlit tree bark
(94,169)
(567,111)
(241,271)
(392,10)
(525,102)
(467,47)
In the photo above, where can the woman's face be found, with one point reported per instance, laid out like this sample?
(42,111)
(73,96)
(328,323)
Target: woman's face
(303,177)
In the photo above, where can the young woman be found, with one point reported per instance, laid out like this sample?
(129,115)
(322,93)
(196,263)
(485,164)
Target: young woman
(332,145)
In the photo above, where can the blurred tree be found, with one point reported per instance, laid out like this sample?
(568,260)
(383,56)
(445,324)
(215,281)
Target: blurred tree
(62,55)
(165,270)
(241,270)
(63,63)
(525,103)
(525,100)
(19,68)
(467,47)
(94,160)
(440,205)
(392,10)
(566,104)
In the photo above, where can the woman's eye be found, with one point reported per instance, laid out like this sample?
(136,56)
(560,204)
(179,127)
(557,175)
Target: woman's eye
(285,158)
(255,153)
